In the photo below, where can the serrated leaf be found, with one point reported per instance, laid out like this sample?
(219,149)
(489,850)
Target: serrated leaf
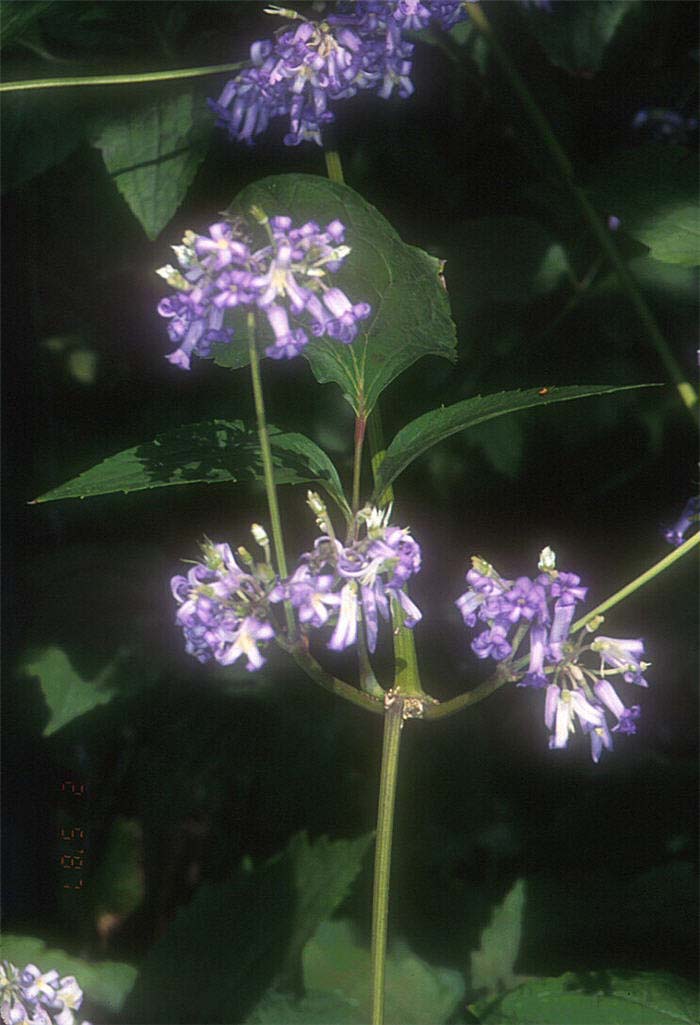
(416,992)
(106,983)
(410,311)
(427,430)
(233,937)
(577,36)
(492,965)
(210,452)
(653,189)
(596,998)
(67,694)
(153,154)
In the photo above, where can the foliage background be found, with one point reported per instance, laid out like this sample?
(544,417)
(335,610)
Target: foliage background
(189,770)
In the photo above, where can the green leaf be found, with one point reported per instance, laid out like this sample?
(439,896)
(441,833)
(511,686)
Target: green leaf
(653,189)
(232,937)
(19,18)
(39,130)
(210,452)
(410,311)
(67,694)
(577,37)
(596,998)
(427,430)
(117,887)
(416,992)
(492,965)
(152,154)
(106,983)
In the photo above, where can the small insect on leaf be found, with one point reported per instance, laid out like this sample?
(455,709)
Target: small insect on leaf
(543,391)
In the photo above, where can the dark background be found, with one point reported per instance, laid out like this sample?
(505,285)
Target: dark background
(211,766)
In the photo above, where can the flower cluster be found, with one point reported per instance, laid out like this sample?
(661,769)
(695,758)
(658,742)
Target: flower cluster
(220,271)
(302,69)
(675,535)
(544,608)
(360,578)
(225,610)
(660,124)
(28,997)
(223,607)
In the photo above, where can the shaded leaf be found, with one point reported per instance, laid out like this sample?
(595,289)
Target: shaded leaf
(416,992)
(492,965)
(577,37)
(106,983)
(153,154)
(653,189)
(596,998)
(232,936)
(18,18)
(410,311)
(427,430)
(210,452)
(67,694)
(117,887)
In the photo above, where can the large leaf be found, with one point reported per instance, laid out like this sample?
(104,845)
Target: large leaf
(597,998)
(410,311)
(653,189)
(493,964)
(427,430)
(212,452)
(106,983)
(67,694)
(153,153)
(233,937)
(576,37)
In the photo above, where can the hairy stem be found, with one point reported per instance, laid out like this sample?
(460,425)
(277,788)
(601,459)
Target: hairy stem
(393,721)
(146,76)
(599,229)
(268,472)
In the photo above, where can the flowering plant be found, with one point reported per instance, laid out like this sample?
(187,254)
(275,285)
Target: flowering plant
(214,769)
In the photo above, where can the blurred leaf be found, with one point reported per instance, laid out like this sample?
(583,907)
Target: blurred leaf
(501,442)
(20,16)
(106,983)
(39,130)
(232,937)
(416,992)
(313,1009)
(210,452)
(153,154)
(67,694)
(653,189)
(596,998)
(576,35)
(427,430)
(492,965)
(508,259)
(117,887)
(410,311)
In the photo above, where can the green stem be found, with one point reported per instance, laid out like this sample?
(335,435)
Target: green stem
(599,229)
(368,681)
(360,424)
(639,581)
(334,168)
(146,76)
(497,680)
(268,472)
(393,721)
(305,660)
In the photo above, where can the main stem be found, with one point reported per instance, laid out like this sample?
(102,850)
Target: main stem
(393,721)
(146,76)
(268,472)
(599,229)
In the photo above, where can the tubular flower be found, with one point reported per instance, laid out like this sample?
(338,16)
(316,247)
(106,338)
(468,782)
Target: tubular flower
(576,695)
(28,997)
(286,277)
(675,535)
(223,610)
(353,581)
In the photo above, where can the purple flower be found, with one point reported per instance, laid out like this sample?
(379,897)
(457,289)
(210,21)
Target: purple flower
(492,643)
(285,277)
(525,599)
(660,124)
(30,996)
(690,516)
(623,656)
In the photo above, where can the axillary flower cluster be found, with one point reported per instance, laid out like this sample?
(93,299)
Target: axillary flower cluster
(28,997)
(228,605)
(298,72)
(542,609)
(288,276)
